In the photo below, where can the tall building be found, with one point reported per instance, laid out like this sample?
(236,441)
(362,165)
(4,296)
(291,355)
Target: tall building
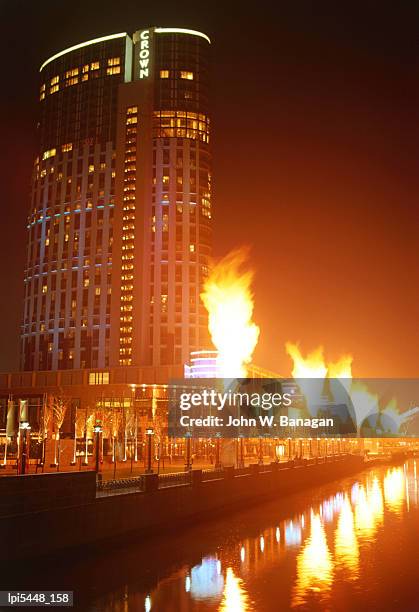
(119,228)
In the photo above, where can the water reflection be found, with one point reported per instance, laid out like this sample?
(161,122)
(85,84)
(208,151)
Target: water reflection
(334,549)
(369,509)
(346,543)
(314,564)
(395,484)
(206,580)
(324,540)
(235,598)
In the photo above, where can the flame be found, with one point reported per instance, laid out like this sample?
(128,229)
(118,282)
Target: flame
(342,368)
(228,298)
(365,403)
(312,366)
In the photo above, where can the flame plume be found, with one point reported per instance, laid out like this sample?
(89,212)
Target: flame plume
(365,403)
(228,298)
(312,366)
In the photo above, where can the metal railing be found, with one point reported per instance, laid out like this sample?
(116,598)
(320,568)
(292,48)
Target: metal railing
(136,482)
(175,479)
(187,477)
(215,474)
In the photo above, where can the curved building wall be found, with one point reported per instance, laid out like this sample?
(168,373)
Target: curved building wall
(119,228)
(70,225)
(165,195)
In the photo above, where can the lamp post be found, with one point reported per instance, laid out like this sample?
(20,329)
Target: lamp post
(133,388)
(23,446)
(240,453)
(149,433)
(188,452)
(260,451)
(217,465)
(97,430)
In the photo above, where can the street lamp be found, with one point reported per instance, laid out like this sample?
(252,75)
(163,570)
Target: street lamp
(260,451)
(149,433)
(188,464)
(217,465)
(24,428)
(133,389)
(97,430)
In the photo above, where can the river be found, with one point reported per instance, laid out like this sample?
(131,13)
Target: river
(350,545)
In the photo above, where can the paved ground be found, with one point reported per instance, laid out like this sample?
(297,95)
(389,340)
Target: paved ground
(122,469)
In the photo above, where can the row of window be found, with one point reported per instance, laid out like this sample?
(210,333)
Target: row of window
(74,75)
(183,74)
(128,235)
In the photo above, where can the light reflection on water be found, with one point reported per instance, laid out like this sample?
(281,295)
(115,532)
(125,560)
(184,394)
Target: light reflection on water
(303,561)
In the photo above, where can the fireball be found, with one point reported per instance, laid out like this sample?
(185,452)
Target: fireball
(228,298)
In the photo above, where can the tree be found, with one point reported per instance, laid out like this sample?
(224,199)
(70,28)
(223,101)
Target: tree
(79,424)
(88,429)
(59,405)
(44,421)
(115,425)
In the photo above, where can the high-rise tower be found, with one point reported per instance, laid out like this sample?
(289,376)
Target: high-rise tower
(119,230)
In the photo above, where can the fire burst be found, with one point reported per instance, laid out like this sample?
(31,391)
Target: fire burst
(228,298)
(366,404)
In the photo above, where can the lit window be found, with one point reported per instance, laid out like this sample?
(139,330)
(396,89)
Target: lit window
(53,89)
(186,74)
(70,73)
(85,68)
(49,153)
(132,110)
(67,147)
(164,74)
(94,66)
(113,70)
(54,80)
(192,248)
(131,120)
(91,168)
(72,81)
(114,61)
(44,288)
(85,77)
(99,378)
(97,291)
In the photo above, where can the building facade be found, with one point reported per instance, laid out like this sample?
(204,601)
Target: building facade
(119,229)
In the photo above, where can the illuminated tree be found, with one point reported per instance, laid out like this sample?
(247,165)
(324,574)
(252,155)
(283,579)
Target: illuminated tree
(59,405)
(44,422)
(115,418)
(79,426)
(89,419)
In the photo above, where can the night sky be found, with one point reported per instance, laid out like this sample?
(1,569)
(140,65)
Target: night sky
(315,161)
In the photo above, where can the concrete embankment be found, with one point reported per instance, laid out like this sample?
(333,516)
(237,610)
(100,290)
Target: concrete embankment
(48,513)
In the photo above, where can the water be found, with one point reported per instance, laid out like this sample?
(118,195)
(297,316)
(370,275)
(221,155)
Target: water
(351,545)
